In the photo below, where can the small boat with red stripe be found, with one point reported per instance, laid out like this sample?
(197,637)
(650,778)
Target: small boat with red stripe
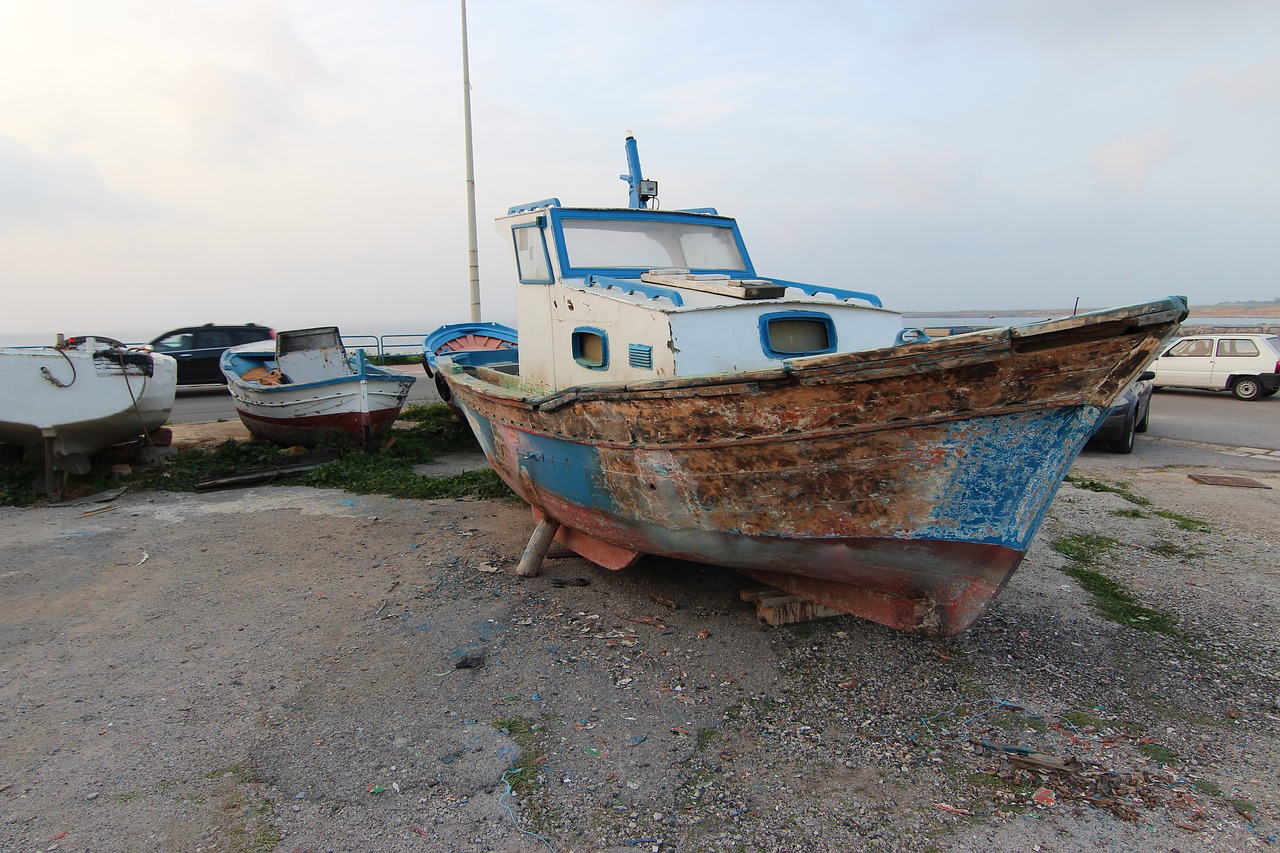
(304,386)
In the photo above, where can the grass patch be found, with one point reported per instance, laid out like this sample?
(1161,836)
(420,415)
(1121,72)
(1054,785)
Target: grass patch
(16,477)
(1171,549)
(522,776)
(1083,549)
(1081,720)
(1185,522)
(1206,787)
(399,358)
(1111,599)
(1116,603)
(127,796)
(1243,806)
(384,471)
(1128,513)
(1159,753)
(1099,486)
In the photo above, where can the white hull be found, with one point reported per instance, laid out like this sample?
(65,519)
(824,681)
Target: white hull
(79,401)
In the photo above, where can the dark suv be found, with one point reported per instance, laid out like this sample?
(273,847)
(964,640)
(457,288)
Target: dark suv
(198,348)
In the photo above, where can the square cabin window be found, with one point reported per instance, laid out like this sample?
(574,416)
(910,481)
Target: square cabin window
(591,348)
(795,333)
(533,266)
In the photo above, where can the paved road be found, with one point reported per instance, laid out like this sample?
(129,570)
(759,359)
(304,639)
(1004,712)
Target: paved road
(1203,429)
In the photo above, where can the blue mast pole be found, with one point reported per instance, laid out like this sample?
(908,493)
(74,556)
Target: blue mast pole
(635,175)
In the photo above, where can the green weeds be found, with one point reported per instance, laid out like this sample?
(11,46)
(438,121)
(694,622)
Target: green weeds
(1185,522)
(385,470)
(523,773)
(1110,598)
(1099,486)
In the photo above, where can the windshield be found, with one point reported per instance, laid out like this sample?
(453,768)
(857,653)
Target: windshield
(650,244)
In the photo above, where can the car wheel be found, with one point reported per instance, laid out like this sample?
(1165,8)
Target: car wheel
(1141,426)
(1246,388)
(1124,444)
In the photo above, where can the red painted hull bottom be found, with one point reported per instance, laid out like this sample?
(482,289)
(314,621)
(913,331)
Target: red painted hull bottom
(924,586)
(310,430)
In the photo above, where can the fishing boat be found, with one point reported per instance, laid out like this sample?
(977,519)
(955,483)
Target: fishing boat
(304,386)
(466,336)
(463,336)
(63,403)
(667,399)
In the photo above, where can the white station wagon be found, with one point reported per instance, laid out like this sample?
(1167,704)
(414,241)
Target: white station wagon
(1246,365)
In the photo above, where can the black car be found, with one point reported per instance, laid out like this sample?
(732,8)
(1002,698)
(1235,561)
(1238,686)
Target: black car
(198,348)
(1129,415)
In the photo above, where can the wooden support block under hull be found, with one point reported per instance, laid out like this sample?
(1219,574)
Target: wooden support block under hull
(776,607)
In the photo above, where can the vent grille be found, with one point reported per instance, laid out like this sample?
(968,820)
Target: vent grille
(640,356)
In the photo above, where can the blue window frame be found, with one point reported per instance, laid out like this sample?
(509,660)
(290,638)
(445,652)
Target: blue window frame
(707,226)
(591,347)
(788,334)
(533,263)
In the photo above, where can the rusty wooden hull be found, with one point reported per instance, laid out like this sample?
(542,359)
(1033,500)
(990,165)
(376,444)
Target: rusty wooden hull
(902,484)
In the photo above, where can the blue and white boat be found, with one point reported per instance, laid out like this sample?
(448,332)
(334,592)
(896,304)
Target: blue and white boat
(304,386)
(666,398)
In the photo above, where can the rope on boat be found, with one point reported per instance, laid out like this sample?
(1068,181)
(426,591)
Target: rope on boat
(44,371)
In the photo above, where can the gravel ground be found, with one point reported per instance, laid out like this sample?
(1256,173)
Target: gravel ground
(294,669)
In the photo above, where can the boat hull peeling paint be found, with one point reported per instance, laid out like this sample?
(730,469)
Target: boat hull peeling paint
(902,484)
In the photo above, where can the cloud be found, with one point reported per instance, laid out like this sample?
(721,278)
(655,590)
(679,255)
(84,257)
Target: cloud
(243,98)
(1246,88)
(923,182)
(236,114)
(1123,165)
(712,100)
(35,190)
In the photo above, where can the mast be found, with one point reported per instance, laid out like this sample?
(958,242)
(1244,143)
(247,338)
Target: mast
(474,256)
(641,190)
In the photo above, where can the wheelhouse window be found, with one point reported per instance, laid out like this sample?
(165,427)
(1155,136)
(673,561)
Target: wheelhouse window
(533,266)
(650,245)
(795,333)
(591,348)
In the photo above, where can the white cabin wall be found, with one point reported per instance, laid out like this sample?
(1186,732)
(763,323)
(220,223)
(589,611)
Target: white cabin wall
(533,322)
(727,340)
(623,321)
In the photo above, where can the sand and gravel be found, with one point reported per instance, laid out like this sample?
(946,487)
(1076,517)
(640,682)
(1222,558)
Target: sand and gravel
(278,668)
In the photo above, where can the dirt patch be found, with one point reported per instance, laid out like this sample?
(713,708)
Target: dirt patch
(187,436)
(279,669)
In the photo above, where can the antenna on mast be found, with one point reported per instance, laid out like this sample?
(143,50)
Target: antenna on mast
(471,175)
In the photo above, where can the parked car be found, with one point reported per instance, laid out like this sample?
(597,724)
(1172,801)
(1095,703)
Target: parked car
(1128,415)
(198,348)
(1246,365)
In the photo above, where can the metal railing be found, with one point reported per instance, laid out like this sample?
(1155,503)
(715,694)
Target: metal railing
(386,345)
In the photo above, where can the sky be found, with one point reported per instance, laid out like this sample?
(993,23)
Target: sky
(174,162)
